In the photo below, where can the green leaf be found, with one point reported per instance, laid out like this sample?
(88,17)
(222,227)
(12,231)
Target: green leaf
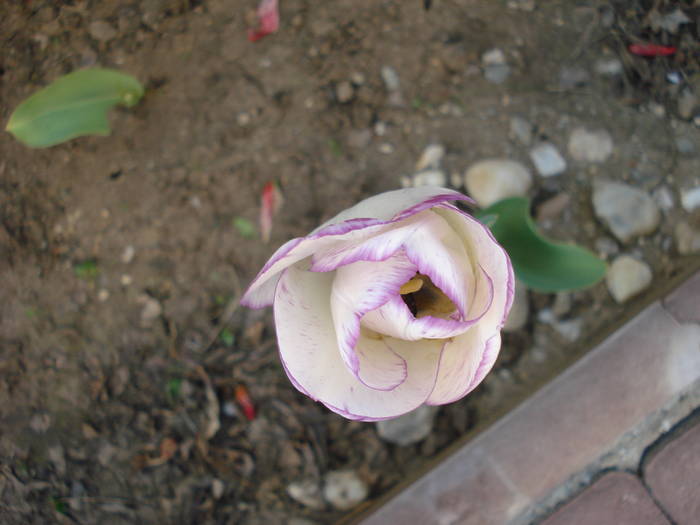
(539,263)
(71,106)
(87,269)
(244,227)
(226,337)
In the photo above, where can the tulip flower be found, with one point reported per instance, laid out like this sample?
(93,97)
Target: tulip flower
(393,303)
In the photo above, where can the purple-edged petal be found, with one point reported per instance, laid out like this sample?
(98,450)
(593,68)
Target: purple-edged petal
(308,349)
(357,289)
(464,363)
(396,320)
(468,357)
(363,220)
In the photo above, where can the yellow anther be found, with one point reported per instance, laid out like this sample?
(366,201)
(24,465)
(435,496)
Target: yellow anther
(411,286)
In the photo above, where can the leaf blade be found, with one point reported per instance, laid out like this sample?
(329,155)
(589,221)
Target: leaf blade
(72,106)
(539,263)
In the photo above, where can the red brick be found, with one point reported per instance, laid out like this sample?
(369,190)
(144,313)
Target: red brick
(560,430)
(673,475)
(684,302)
(617,498)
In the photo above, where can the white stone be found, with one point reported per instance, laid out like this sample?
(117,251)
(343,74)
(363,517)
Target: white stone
(497,74)
(590,145)
(409,428)
(520,311)
(493,57)
(687,239)
(344,489)
(663,197)
(547,159)
(431,158)
(344,92)
(627,277)
(569,329)
(690,199)
(627,211)
(390,78)
(609,66)
(430,178)
(307,492)
(489,181)
(128,254)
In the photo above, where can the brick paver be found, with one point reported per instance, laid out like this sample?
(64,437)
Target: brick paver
(684,302)
(563,428)
(673,476)
(617,498)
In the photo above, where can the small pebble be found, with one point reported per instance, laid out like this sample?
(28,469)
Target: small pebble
(573,76)
(102,31)
(520,311)
(497,74)
(609,66)
(103,295)
(430,178)
(128,254)
(690,199)
(344,489)
(386,148)
(409,428)
(489,181)
(627,277)
(126,279)
(687,239)
(687,102)
(547,159)
(569,329)
(306,492)
(344,92)
(431,157)
(151,309)
(521,130)
(590,145)
(627,211)
(390,78)
(493,57)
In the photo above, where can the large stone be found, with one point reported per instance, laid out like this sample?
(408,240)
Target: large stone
(627,211)
(627,277)
(409,428)
(687,239)
(520,311)
(489,181)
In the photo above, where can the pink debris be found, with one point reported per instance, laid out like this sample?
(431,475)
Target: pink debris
(271,203)
(268,20)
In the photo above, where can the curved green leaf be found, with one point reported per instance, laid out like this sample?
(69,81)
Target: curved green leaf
(539,263)
(71,106)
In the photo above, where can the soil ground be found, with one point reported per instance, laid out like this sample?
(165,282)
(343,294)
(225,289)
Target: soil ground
(120,261)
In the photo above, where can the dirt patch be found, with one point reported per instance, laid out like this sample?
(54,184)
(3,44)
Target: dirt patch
(120,256)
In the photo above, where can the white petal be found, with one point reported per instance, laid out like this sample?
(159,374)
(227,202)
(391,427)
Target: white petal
(357,289)
(309,353)
(361,221)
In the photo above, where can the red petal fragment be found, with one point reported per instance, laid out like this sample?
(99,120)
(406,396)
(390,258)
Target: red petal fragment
(271,203)
(652,50)
(268,20)
(241,393)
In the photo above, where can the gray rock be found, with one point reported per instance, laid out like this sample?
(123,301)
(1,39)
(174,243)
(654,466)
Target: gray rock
(627,211)
(687,239)
(573,76)
(663,196)
(409,428)
(520,311)
(590,145)
(547,159)
(497,73)
(344,489)
(491,180)
(627,277)
(521,129)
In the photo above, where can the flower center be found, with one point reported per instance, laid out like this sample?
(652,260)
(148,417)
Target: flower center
(424,298)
